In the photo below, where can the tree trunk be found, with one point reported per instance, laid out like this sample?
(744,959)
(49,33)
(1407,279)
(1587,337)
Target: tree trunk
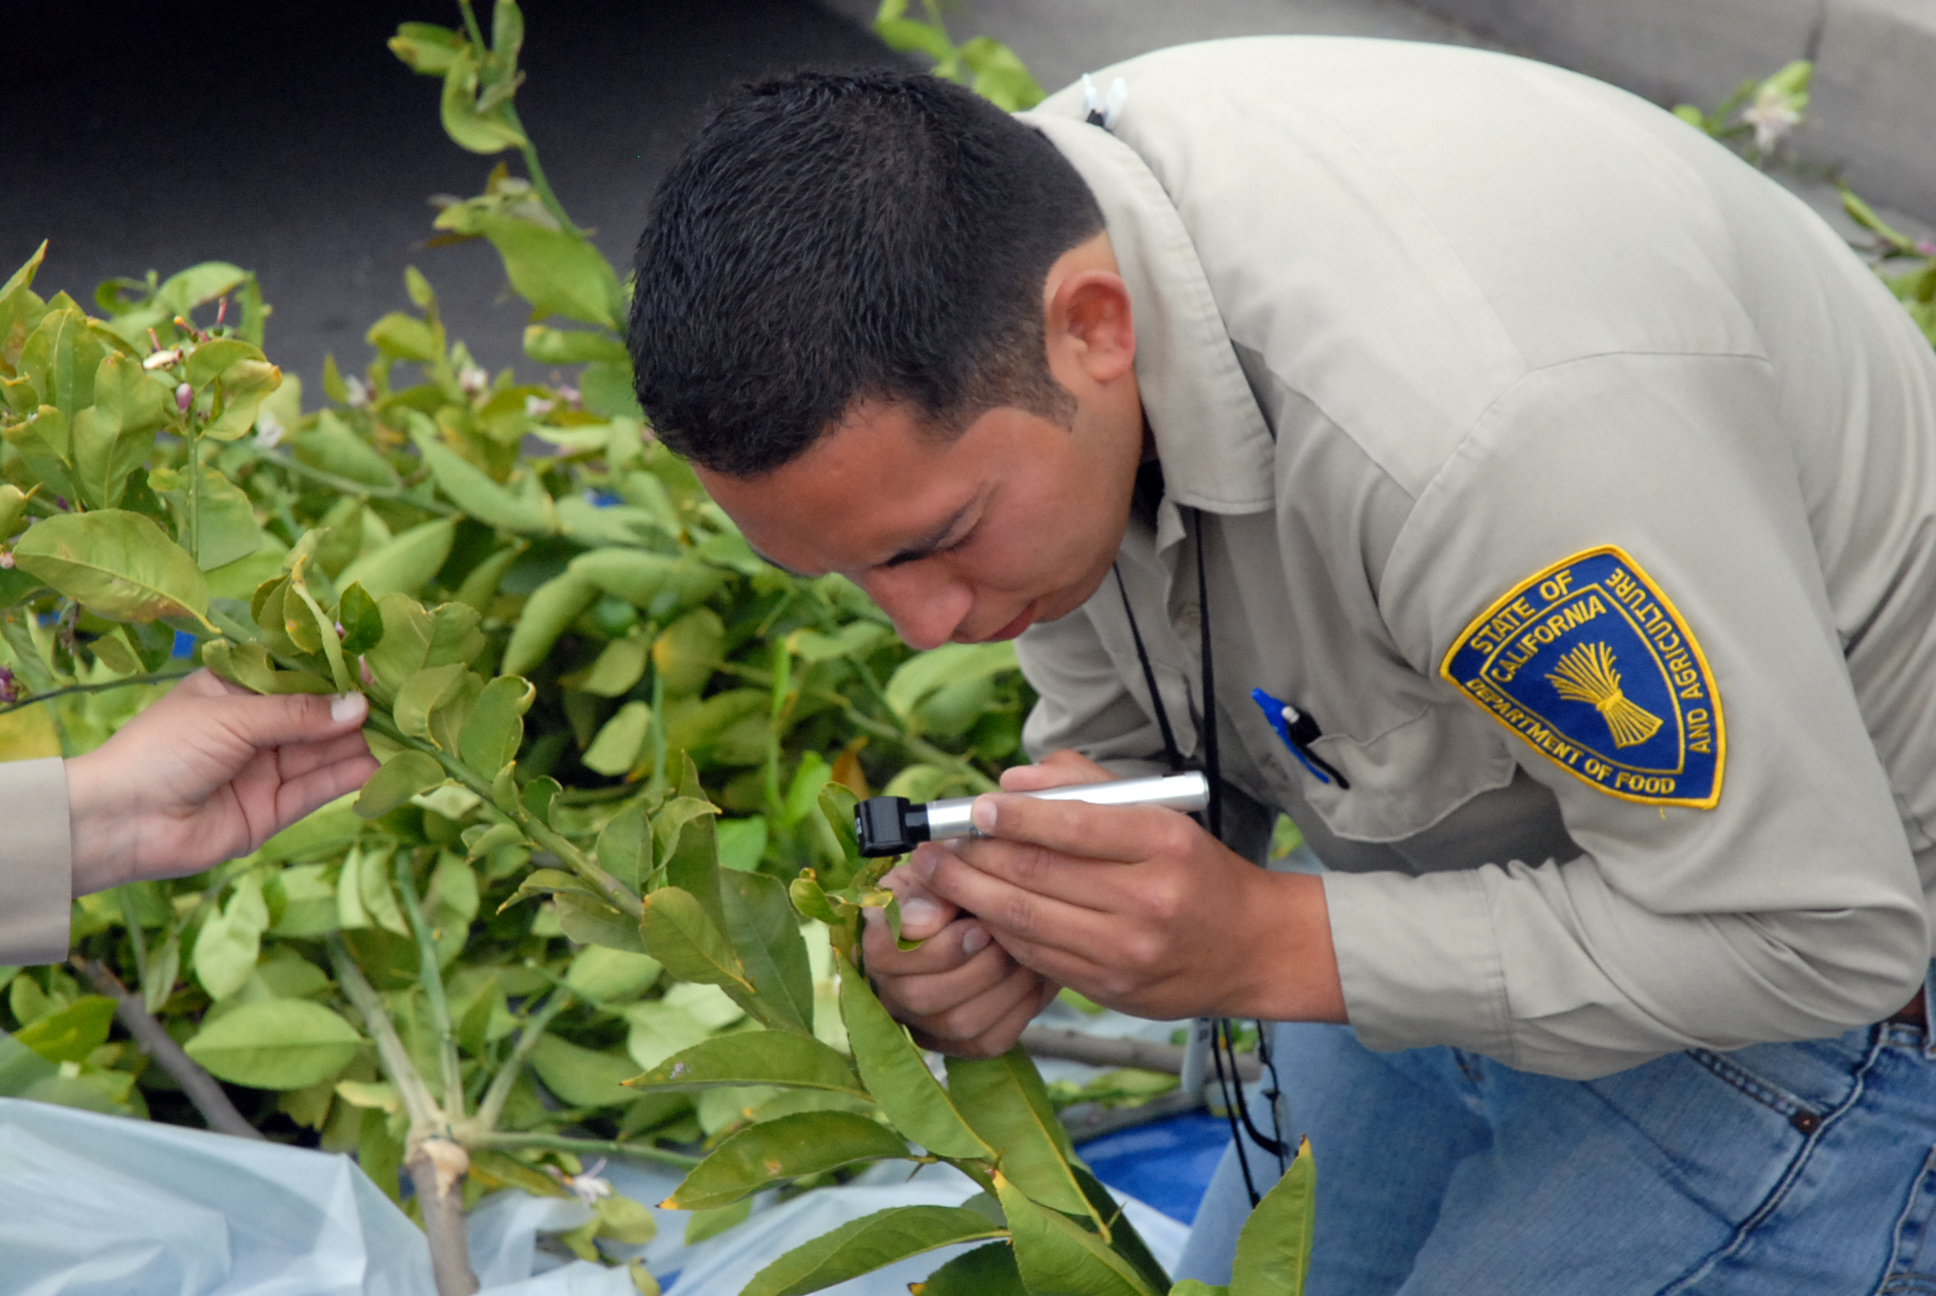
(437,1167)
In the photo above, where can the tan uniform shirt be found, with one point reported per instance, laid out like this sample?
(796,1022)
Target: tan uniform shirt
(1417,326)
(36,862)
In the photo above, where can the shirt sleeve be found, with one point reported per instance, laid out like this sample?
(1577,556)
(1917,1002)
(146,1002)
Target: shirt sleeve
(1789,909)
(36,862)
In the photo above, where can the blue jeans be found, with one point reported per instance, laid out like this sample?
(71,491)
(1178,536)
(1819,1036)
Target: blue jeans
(1768,1171)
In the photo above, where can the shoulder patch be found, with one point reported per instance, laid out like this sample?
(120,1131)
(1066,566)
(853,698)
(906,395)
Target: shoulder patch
(1589,662)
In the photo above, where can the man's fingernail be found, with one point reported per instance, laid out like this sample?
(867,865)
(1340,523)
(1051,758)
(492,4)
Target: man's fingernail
(872,916)
(974,940)
(983,815)
(922,862)
(348,706)
(918,911)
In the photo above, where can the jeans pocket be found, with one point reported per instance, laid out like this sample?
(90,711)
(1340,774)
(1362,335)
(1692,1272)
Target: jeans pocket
(1791,1108)
(1912,1265)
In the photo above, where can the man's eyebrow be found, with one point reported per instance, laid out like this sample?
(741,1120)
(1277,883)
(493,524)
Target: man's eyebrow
(925,548)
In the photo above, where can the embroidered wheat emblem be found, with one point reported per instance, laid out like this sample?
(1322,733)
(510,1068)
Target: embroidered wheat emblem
(1587,674)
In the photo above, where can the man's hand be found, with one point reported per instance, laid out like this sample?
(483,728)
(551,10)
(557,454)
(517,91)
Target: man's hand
(1142,910)
(206,774)
(961,992)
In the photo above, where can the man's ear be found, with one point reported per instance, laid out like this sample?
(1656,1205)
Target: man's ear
(1088,323)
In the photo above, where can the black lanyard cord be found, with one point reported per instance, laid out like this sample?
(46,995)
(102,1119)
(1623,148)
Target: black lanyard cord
(1223,1053)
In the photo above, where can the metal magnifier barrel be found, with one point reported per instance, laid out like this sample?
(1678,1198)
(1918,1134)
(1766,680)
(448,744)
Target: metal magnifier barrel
(893,825)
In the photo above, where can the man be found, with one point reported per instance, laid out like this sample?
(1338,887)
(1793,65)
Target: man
(1463,457)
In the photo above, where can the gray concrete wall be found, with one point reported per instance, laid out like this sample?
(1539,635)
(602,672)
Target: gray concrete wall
(1873,114)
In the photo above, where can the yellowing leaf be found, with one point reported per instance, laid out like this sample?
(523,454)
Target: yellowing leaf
(116,564)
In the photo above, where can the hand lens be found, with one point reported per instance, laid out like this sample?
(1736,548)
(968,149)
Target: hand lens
(887,825)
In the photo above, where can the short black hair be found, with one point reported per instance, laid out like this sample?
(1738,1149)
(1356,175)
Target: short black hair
(830,238)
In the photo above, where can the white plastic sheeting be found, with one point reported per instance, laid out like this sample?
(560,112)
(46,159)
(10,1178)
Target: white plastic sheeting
(95,1205)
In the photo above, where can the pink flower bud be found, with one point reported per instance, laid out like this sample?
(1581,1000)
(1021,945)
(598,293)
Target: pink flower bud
(6,559)
(184,397)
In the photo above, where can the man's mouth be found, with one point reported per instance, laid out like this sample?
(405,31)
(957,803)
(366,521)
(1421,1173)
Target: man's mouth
(1015,627)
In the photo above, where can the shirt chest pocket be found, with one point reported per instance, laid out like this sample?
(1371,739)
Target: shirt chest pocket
(1405,775)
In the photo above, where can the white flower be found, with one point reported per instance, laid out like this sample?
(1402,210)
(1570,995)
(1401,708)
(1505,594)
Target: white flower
(571,397)
(1772,114)
(473,381)
(538,406)
(589,1186)
(162,359)
(269,431)
(358,392)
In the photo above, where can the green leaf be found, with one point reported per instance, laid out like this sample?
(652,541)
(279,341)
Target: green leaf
(869,1243)
(855,639)
(765,931)
(551,607)
(898,1076)
(228,529)
(473,490)
(1055,1254)
(619,740)
(583,1077)
(1196,1287)
(425,47)
(678,933)
(610,976)
(787,1148)
(467,128)
(950,664)
(620,665)
(211,360)
(405,337)
(688,652)
(656,582)
(244,386)
(275,1044)
(423,693)
(999,76)
(331,446)
(401,777)
(405,564)
(625,846)
(591,921)
(73,1032)
(228,945)
(779,1058)
(557,271)
(1274,1248)
(116,564)
(986,1271)
(495,730)
(362,621)
(552,346)
(1004,1099)
(184,290)
(742,843)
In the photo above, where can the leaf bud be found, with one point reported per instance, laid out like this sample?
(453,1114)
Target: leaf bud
(184,397)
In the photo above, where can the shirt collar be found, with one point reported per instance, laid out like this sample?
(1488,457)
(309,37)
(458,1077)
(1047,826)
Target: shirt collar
(1217,451)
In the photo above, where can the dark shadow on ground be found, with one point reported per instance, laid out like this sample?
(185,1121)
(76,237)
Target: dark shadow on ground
(286,138)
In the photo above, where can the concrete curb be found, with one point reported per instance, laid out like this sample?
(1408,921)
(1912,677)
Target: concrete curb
(1873,110)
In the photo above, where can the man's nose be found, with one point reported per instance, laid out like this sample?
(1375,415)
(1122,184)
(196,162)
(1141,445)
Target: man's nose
(926,607)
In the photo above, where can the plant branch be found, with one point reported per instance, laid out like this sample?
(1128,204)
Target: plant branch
(159,677)
(920,748)
(432,981)
(597,1147)
(422,1108)
(521,819)
(436,1164)
(491,1109)
(349,485)
(210,1099)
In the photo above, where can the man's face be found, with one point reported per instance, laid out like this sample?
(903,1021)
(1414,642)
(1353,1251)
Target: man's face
(969,539)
